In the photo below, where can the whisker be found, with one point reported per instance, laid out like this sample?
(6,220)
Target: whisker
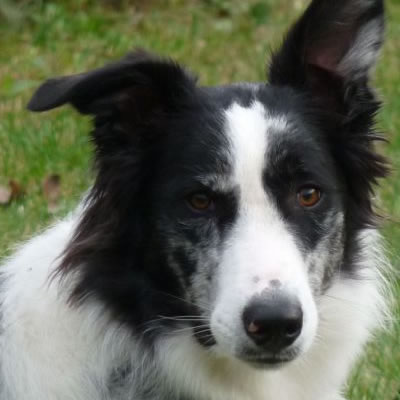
(191,328)
(180,319)
(184,318)
(203,307)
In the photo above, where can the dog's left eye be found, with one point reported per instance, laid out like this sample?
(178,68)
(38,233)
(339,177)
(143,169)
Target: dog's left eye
(200,202)
(308,196)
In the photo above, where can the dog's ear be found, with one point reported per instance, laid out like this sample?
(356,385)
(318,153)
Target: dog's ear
(134,86)
(330,49)
(328,55)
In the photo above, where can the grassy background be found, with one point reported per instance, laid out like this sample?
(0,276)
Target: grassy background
(222,40)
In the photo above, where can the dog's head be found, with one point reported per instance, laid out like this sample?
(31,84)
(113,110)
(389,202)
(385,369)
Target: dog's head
(225,212)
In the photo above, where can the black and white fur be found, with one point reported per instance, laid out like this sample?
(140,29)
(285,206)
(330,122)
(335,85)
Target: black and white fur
(139,296)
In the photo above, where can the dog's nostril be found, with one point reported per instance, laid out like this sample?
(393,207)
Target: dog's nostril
(253,328)
(293,327)
(273,322)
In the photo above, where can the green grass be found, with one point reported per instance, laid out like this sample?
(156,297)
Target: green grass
(223,41)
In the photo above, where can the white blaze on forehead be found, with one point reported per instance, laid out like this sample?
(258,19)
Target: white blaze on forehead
(260,243)
(260,248)
(248,130)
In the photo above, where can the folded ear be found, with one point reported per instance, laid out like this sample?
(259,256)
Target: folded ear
(332,46)
(137,83)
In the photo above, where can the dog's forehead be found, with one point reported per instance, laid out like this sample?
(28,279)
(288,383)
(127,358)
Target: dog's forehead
(252,121)
(250,130)
(229,141)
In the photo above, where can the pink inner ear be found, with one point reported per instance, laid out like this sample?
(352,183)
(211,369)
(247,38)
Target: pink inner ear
(328,61)
(327,53)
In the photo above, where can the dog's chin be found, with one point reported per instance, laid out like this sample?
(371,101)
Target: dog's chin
(258,359)
(269,361)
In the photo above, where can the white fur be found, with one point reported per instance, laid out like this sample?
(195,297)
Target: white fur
(261,248)
(363,53)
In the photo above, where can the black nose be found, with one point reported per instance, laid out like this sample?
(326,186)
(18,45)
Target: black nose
(273,322)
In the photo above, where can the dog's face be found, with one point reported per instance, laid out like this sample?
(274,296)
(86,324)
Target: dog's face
(247,204)
(224,213)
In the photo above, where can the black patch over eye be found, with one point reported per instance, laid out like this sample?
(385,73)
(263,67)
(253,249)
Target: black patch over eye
(308,196)
(200,202)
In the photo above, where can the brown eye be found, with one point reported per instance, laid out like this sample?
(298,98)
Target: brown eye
(308,196)
(200,201)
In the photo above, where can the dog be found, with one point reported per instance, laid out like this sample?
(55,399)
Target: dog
(228,248)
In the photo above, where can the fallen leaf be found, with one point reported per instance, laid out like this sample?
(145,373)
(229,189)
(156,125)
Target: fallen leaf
(52,191)
(5,195)
(16,189)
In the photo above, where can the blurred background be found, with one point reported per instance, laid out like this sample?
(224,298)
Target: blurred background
(45,159)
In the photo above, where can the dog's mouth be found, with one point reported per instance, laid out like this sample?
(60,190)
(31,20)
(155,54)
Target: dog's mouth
(269,361)
(257,360)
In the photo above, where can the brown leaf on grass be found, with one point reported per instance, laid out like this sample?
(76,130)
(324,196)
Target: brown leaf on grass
(10,193)
(52,191)
(5,195)
(17,190)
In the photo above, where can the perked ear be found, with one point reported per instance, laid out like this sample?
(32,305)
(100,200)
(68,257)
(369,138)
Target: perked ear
(331,47)
(138,83)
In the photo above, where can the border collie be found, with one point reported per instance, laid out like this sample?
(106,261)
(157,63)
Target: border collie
(228,249)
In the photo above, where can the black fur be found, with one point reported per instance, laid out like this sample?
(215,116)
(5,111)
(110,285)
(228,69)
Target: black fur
(342,102)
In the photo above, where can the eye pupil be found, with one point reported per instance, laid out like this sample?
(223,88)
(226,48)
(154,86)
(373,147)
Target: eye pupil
(308,197)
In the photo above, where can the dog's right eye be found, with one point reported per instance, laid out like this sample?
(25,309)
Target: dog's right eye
(200,202)
(308,196)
